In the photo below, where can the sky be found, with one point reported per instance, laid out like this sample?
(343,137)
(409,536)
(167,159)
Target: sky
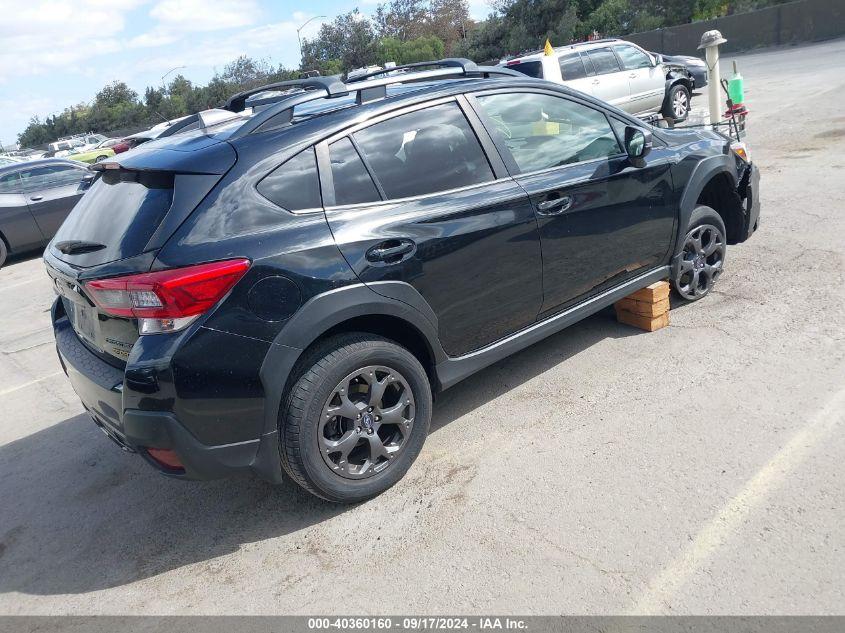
(55,53)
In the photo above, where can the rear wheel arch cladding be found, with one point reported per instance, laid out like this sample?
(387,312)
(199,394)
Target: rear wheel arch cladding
(317,317)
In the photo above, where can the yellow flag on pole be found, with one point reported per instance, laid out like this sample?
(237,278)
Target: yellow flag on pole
(547,49)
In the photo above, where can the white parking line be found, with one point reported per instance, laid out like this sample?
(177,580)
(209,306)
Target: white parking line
(20,283)
(719,529)
(6,392)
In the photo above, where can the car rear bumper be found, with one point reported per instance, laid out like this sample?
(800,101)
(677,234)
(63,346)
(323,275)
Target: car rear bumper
(100,386)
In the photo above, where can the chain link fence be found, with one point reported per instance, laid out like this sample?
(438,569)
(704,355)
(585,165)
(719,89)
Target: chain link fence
(791,23)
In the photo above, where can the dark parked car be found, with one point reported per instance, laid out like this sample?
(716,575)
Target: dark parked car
(284,294)
(35,198)
(696,67)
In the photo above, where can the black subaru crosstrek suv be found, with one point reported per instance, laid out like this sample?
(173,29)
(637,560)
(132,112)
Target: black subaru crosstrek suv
(280,285)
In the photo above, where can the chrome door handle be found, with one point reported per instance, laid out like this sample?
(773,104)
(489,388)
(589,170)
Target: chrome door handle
(555,206)
(36,198)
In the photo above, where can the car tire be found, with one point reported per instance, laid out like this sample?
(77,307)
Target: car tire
(703,258)
(4,252)
(335,440)
(678,103)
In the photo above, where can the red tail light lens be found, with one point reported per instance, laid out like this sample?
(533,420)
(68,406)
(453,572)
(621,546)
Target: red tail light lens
(167,294)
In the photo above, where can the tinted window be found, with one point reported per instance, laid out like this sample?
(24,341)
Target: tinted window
(51,176)
(122,210)
(632,57)
(544,131)
(294,185)
(588,65)
(9,183)
(571,67)
(604,61)
(424,151)
(532,69)
(352,182)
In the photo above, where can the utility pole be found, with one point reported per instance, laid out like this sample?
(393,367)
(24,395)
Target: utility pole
(299,39)
(167,73)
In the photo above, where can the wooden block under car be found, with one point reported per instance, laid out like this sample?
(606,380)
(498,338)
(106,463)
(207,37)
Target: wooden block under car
(647,309)
(643,308)
(655,292)
(649,324)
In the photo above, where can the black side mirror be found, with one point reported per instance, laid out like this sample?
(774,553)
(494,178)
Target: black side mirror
(637,142)
(87,179)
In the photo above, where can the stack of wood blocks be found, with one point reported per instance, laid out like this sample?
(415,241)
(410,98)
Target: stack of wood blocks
(647,309)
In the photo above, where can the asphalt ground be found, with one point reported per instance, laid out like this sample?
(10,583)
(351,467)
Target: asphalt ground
(693,470)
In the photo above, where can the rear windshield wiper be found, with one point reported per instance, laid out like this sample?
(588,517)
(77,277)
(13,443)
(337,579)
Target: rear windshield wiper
(77,247)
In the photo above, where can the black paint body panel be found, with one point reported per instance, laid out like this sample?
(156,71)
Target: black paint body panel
(486,277)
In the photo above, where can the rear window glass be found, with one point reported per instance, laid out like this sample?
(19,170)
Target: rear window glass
(423,152)
(122,210)
(604,61)
(295,184)
(571,67)
(352,182)
(532,69)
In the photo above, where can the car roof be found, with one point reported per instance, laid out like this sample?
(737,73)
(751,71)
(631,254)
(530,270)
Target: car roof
(40,162)
(311,122)
(577,46)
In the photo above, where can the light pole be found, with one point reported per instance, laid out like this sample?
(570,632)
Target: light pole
(302,26)
(167,73)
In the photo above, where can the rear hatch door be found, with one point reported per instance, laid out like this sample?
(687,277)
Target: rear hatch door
(120,224)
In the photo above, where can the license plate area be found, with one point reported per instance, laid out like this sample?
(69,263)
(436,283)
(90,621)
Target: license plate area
(85,322)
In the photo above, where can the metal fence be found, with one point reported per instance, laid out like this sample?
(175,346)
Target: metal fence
(791,23)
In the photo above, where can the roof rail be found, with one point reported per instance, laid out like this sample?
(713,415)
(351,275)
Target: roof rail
(201,120)
(366,88)
(332,86)
(466,65)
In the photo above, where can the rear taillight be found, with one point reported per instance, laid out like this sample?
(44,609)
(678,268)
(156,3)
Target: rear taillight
(167,300)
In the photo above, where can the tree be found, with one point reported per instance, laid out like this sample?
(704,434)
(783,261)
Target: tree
(402,20)
(417,50)
(115,94)
(406,20)
(350,40)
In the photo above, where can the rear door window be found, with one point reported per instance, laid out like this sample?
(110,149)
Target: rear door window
(571,67)
(604,61)
(294,185)
(423,152)
(51,176)
(352,181)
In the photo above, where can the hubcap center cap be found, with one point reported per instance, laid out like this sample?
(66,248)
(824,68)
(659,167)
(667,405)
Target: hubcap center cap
(699,262)
(367,421)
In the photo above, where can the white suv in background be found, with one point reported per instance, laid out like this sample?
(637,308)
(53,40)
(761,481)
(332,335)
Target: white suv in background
(613,70)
